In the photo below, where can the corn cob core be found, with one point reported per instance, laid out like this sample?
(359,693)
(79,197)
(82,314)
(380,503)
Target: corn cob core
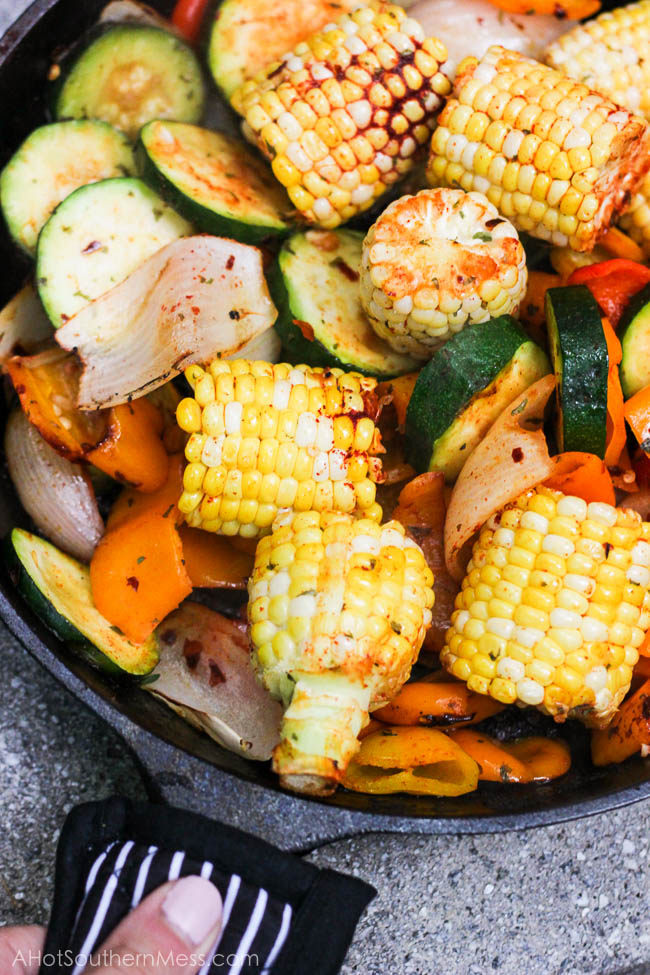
(557,159)
(636,219)
(436,262)
(341,117)
(338,609)
(265,437)
(554,606)
(610,55)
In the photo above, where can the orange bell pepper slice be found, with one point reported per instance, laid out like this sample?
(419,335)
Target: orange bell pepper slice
(532,309)
(583,475)
(616,432)
(187,18)
(132,451)
(212,562)
(401,391)
(627,732)
(420,761)
(637,414)
(439,703)
(131,504)
(570,9)
(525,760)
(138,575)
(612,283)
(47,389)
(618,244)
(421,508)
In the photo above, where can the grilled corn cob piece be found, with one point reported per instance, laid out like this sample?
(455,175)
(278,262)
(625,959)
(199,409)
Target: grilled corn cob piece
(554,606)
(266,437)
(342,116)
(636,219)
(610,55)
(436,262)
(557,159)
(338,609)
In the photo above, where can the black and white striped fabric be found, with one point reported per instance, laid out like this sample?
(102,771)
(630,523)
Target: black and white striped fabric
(255,925)
(281,916)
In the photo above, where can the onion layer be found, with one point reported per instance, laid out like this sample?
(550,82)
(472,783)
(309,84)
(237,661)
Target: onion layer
(55,493)
(512,458)
(23,323)
(197,299)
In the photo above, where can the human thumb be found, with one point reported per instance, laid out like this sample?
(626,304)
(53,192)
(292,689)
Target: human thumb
(171,932)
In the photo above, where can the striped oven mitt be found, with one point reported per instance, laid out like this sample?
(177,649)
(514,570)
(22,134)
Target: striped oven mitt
(281,916)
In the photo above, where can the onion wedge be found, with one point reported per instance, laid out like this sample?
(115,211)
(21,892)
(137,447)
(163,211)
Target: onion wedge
(197,299)
(129,12)
(23,324)
(512,457)
(266,347)
(55,493)
(205,675)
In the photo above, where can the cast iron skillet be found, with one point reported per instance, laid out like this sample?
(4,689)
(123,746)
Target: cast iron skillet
(185,766)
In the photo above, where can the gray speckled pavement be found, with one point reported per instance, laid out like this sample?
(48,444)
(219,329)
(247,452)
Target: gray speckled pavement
(570,899)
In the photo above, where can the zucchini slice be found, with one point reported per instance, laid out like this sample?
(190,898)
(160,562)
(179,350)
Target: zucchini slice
(51,163)
(315,287)
(57,587)
(579,354)
(467,384)
(635,341)
(128,75)
(214,180)
(95,238)
(247,35)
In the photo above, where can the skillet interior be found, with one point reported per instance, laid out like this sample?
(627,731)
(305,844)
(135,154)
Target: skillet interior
(25,54)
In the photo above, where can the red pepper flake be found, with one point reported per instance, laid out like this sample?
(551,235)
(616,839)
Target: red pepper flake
(345,269)
(517,455)
(133,583)
(230,263)
(305,328)
(168,637)
(195,310)
(93,246)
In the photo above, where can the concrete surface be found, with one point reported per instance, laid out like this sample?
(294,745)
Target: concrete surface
(569,899)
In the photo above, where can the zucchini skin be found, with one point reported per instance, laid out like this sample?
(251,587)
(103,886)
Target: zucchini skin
(635,367)
(205,219)
(58,624)
(579,356)
(457,373)
(299,350)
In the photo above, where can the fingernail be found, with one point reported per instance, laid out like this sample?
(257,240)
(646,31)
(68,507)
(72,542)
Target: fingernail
(192,908)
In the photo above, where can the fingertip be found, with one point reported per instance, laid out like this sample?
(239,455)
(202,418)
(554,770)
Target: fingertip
(193,909)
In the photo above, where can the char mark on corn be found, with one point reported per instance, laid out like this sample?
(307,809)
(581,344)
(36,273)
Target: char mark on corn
(266,437)
(342,116)
(554,606)
(437,262)
(556,158)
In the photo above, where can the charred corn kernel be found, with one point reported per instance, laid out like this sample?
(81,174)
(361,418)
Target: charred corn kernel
(438,262)
(583,155)
(565,639)
(348,112)
(277,437)
(329,666)
(609,55)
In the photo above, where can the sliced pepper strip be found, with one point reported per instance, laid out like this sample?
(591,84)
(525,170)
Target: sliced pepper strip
(637,414)
(618,244)
(130,504)
(571,9)
(627,732)
(532,310)
(444,703)
(616,433)
(438,766)
(132,451)
(584,475)
(401,391)
(188,16)
(212,562)
(525,760)
(612,284)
